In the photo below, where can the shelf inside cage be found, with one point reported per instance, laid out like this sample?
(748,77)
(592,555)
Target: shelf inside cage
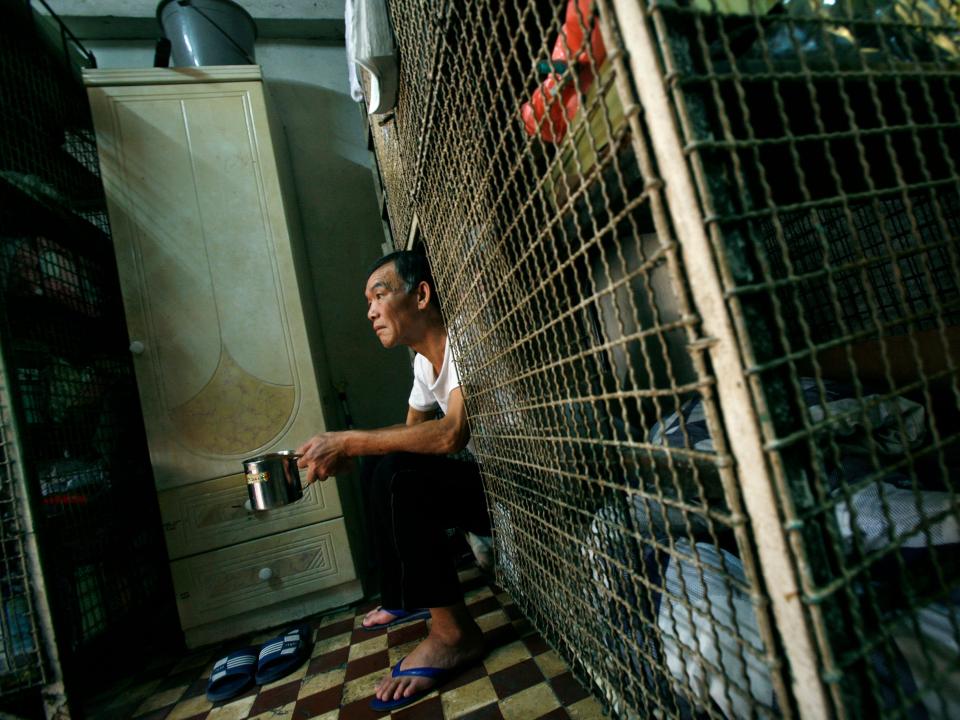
(33,208)
(80,329)
(52,163)
(792,134)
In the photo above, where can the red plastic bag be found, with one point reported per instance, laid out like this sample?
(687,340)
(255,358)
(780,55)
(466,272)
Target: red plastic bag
(554,104)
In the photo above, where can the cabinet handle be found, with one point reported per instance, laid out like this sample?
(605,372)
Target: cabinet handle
(265,573)
(137,347)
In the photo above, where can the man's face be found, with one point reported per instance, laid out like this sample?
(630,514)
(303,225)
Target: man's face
(390,308)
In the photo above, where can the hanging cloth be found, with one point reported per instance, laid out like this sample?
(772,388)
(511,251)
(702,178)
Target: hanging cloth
(370,45)
(356,91)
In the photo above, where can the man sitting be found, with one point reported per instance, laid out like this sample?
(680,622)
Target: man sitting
(417,492)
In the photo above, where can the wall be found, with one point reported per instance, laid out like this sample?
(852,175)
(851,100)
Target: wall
(307,81)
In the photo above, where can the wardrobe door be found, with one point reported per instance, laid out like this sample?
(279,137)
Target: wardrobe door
(210,291)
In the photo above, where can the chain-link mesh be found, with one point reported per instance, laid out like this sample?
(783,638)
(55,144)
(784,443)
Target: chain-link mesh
(392,177)
(21,660)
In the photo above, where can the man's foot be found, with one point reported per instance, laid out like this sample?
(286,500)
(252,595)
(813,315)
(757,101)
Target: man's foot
(376,617)
(443,650)
(384,618)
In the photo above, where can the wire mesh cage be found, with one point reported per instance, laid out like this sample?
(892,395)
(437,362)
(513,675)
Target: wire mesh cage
(22,664)
(824,140)
(69,382)
(699,265)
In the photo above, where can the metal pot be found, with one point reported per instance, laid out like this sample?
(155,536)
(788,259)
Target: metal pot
(273,480)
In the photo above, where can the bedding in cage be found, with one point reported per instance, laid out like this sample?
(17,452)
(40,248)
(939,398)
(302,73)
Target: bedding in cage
(886,519)
(696,631)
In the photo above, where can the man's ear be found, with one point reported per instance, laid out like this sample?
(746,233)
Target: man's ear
(423,294)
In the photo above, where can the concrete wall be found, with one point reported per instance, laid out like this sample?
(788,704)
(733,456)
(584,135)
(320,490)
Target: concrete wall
(326,137)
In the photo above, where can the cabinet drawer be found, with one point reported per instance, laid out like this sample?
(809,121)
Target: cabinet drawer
(208,515)
(261,572)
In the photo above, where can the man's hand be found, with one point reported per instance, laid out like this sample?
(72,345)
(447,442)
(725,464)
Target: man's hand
(323,455)
(329,453)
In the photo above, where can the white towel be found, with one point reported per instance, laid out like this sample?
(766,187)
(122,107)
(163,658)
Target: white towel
(370,45)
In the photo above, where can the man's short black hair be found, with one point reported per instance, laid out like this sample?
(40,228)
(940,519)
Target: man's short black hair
(412,268)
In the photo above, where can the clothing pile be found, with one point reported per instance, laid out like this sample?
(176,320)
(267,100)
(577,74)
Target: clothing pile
(709,638)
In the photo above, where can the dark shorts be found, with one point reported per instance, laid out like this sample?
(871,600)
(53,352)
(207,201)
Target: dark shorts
(412,500)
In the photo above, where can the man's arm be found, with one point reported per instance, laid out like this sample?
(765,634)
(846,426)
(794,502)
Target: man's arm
(415,416)
(324,454)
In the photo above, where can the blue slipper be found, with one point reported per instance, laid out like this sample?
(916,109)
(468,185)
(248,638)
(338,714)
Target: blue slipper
(402,616)
(438,674)
(284,653)
(232,674)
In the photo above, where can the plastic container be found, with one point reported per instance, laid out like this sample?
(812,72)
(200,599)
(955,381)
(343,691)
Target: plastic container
(207,32)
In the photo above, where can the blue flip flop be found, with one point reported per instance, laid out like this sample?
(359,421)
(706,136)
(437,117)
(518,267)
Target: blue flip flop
(232,674)
(402,616)
(438,674)
(284,653)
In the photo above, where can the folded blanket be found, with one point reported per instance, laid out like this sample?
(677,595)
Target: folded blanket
(850,417)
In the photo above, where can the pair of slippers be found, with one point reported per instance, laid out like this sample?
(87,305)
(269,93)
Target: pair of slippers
(242,669)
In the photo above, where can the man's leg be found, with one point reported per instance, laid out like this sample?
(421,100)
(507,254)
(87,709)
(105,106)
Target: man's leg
(419,498)
(376,481)
(416,498)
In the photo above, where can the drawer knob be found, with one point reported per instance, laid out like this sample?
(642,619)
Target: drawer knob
(137,347)
(265,573)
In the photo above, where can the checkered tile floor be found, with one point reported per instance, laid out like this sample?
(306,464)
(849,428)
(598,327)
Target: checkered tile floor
(521,678)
